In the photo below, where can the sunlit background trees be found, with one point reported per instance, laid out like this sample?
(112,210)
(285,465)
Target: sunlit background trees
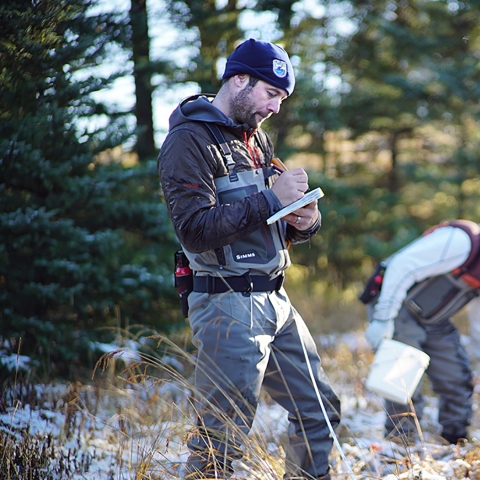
(384,117)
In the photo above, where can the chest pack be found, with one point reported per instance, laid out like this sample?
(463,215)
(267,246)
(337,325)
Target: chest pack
(438,298)
(262,246)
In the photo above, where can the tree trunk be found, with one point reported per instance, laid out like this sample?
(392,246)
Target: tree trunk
(145,146)
(393,183)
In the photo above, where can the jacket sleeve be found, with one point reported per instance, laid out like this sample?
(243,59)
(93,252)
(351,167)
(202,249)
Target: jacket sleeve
(188,164)
(295,236)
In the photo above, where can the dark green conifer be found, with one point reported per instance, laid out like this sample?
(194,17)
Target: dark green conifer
(85,245)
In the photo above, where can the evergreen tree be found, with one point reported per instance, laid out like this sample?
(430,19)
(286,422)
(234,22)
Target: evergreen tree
(85,245)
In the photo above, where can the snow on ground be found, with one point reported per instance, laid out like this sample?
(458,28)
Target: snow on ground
(116,430)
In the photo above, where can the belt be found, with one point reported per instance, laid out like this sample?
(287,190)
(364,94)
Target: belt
(244,283)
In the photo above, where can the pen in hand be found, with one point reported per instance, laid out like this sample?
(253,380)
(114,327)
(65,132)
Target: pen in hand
(278,166)
(277,169)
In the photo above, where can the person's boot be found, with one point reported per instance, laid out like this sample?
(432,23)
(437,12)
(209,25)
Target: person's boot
(455,436)
(322,477)
(401,435)
(202,466)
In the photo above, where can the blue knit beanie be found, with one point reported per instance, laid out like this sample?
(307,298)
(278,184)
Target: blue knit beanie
(263,60)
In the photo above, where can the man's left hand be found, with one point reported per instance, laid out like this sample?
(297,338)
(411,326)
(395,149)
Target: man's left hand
(303,218)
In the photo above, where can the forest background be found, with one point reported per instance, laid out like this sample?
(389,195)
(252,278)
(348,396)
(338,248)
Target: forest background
(384,118)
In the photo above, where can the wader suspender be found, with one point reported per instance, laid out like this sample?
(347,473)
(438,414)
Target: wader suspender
(224,149)
(222,144)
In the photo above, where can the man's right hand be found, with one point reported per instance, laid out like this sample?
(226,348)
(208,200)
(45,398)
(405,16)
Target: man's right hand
(290,186)
(378,330)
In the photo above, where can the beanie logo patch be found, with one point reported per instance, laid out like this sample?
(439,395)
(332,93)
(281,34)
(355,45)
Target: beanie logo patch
(279,68)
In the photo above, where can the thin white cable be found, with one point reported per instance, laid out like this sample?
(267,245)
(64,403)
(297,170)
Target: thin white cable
(320,401)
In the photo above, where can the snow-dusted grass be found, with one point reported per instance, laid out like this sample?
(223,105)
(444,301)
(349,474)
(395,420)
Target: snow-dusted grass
(131,420)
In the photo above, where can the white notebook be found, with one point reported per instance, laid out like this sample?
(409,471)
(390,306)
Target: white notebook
(305,200)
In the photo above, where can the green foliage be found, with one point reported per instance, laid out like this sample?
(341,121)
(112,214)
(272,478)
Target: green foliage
(85,245)
(409,62)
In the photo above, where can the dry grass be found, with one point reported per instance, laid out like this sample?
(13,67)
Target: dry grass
(145,410)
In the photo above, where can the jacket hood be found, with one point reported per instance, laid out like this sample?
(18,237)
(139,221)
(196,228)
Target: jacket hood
(199,108)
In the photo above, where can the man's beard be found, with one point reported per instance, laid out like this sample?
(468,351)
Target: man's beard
(242,109)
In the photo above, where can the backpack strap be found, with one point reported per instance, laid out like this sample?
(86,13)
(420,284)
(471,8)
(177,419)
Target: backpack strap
(469,271)
(473,231)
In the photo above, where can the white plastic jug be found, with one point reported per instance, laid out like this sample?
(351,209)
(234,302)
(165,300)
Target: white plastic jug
(396,371)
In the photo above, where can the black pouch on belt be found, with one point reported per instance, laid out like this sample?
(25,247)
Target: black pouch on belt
(373,285)
(183,279)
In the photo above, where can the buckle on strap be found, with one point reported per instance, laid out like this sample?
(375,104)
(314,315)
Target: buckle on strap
(214,284)
(249,281)
(210,284)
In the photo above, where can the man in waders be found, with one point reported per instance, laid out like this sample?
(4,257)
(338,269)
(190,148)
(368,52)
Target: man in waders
(411,298)
(221,185)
